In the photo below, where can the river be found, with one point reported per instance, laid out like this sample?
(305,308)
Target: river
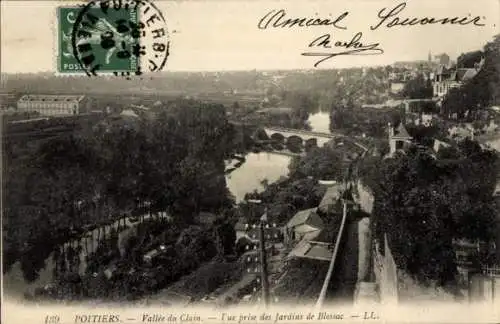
(265,165)
(245,179)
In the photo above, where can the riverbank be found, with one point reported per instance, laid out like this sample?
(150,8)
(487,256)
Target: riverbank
(244,175)
(16,287)
(256,168)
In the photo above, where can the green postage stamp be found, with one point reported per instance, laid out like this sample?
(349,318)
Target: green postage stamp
(124,38)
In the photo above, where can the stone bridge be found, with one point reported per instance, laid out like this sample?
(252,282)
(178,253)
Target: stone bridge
(286,134)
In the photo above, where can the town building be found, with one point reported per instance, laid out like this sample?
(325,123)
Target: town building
(275,111)
(461,132)
(306,223)
(397,87)
(445,79)
(419,111)
(241,228)
(128,113)
(315,250)
(7,100)
(442,59)
(54,105)
(467,260)
(438,145)
(398,138)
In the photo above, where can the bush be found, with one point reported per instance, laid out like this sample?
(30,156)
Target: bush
(209,277)
(422,204)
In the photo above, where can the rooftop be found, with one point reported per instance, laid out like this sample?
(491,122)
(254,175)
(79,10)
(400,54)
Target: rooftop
(401,132)
(331,197)
(52,98)
(304,217)
(129,113)
(466,74)
(275,110)
(311,250)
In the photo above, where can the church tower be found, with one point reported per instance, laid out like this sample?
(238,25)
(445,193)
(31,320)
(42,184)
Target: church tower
(429,57)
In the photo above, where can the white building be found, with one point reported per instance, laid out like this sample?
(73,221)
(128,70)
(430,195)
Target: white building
(397,87)
(398,137)
(445,79)
(54,105)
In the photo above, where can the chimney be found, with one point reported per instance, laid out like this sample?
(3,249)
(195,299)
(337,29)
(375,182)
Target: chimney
(390,129)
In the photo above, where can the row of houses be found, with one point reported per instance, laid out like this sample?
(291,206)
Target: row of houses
(439,69)
(304,234)
(445,79)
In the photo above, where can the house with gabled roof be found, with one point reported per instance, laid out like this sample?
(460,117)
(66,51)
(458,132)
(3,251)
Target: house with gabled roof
(445,79)
(304,222)
(314,250)
(398,138)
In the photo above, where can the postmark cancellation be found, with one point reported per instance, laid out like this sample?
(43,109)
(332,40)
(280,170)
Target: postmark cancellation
(122,38)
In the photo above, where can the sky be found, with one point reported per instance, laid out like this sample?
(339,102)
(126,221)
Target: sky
(223,34)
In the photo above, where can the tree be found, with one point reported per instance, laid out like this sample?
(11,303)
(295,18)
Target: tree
(302,104)
(94,176)
(468,60)
(418,88)
(320,163)
(481,91)
(235,106)
(226,238)
(422,204)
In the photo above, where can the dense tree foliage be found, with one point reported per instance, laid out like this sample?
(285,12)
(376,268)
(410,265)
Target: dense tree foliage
(355,120)
(423,202)
(56,186)
(320,163)
(417,88)
(425,135)
(302,104)
(284,199)
(469,60)
(481,91)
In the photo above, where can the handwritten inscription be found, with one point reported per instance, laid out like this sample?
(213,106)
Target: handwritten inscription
(391,18)
(352,47)
(278,19)
(386,18)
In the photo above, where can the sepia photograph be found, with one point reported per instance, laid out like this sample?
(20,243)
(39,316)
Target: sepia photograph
(250,161)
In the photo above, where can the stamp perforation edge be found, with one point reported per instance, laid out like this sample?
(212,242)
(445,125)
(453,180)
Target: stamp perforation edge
(106,74)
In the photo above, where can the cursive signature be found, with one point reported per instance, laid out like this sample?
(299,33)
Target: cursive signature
(391,18)
(353,47)
(277,18)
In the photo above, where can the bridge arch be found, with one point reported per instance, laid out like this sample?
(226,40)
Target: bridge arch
(278,138)
(278,141)
(310,144)
(260,135)
(294,143)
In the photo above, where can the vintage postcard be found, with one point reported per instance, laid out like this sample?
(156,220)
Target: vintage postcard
(250,161)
